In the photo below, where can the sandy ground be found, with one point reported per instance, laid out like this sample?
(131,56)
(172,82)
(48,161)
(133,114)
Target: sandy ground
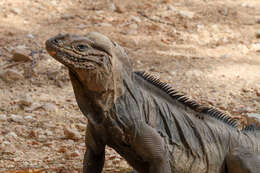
(208,50)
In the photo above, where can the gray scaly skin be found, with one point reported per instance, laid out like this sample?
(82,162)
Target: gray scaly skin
(156,129)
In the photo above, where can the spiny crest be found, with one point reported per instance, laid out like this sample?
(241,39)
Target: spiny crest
(187,101)
(251,127)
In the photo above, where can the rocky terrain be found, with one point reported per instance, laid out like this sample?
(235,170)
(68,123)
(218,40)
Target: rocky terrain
(209,50)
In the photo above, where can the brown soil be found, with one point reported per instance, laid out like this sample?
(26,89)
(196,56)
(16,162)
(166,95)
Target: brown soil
(205,49)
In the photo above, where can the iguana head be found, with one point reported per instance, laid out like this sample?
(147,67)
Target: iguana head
(97,61)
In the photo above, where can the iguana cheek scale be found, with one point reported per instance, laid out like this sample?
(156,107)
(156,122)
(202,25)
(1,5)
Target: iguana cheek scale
(151,125)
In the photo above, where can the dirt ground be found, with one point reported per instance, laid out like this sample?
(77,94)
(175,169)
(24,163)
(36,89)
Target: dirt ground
(207,49)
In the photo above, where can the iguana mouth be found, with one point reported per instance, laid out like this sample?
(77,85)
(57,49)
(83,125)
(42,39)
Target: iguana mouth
(66,57)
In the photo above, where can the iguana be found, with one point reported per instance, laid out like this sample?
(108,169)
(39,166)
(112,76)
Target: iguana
(151,125)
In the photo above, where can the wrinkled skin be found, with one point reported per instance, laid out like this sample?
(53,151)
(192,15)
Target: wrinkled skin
(151,129)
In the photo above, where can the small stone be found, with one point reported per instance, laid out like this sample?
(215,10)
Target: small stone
(247,5)
(62,150)
(82,144)
(3,117)
(48,133)
(52,75)
(16,10)
(104,24)
(258,21)
(257,34)
(71,133)
(135,19)
(187,14)
(6,143)
(28,117)
(17,118)
(81,26)
(81,127)
(75,154)
(111,6)
(256,47)
(42,138)
(32,134)
(49,107)
(258,93)
(31,36)
(10,75)
(21,55)
(170,8)
(11,135)
(133,26)
(26,100)
(67,17)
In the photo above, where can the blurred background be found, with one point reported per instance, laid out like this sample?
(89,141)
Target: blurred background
(207,49)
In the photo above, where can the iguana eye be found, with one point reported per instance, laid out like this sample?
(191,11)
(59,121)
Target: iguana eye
(81,47)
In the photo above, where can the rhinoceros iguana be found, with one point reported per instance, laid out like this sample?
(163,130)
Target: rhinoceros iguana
(153,127)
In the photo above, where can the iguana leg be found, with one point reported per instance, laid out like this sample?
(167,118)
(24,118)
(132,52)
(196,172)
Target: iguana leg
(94,157)
(242,160)
(151,147)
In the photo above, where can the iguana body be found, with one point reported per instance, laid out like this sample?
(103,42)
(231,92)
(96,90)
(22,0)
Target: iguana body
(148,123)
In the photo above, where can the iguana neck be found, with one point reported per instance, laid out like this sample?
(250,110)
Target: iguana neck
(92,104)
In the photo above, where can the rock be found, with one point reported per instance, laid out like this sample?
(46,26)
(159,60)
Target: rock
(76,153)
(62,149)
(135,19)
(11,135)
(20,54)
(257,34)
(3,117)
(256,47)
(49,107)
(132,29)
(17,118)
(67,17)
(10,75)
(28,117)
(31,36)
(247,5)
(258,21)
(48,133)
(52,75)
(81,26)
(104,24)
(42,138)
(257,92)
(16,10)
(81,127)
(25,100)
(71,133)
(187,14)
(111,6)
(170,8)
(6,143)
(133,26)
(33,107)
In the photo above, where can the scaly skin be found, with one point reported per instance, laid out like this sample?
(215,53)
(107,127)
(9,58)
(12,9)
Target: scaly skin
(153,127)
